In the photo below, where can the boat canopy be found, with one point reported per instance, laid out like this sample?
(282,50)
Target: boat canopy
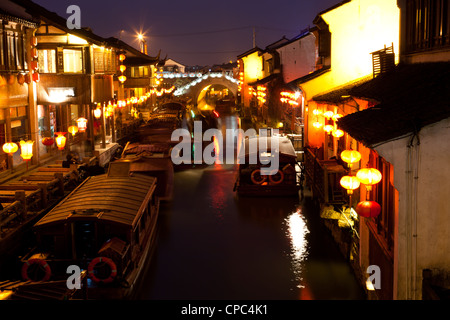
(112,198)
(257,144)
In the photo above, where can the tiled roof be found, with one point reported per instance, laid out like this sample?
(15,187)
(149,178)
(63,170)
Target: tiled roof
(340,94)
(410,97)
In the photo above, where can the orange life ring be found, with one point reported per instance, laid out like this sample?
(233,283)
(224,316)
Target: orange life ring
(274,181)
(109,262)
(257,174)
(42,263)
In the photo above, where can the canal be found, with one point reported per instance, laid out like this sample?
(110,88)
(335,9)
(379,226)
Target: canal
(213,245)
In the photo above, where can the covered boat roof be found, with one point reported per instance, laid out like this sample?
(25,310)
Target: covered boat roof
(285,146)
(114,198)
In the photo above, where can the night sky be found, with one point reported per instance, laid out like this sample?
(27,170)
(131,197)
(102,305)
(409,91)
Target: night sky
(196,32)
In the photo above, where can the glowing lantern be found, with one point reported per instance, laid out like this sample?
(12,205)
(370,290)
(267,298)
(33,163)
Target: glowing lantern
(350,183)
(47,141)
(337,133)
(98,113)
(34,41)
(35,76)
(10,147)
(368,209)
(336,116)
(109,110)
(350,157)
(82,124)
(34,64)
(317,125)
(34,53)
(26,148)
(73,130)
(328,114)
(122,57)
(369,177)
(122,68)
(328,128)
(317,112)
(122,78)
(60,140)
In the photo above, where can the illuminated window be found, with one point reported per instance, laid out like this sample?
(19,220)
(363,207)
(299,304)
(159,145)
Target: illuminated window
(139,72)
(47,61)
(73,61)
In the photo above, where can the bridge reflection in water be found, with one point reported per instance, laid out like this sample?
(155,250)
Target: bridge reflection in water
(213,245)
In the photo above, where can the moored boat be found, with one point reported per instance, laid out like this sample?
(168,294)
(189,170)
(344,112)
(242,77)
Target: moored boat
(106,226)
(152,160)
(252,180)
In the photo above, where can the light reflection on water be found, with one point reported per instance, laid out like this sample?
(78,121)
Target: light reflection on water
(296,232)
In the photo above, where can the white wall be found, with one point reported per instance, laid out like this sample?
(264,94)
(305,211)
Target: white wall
(298,58)
(423,184)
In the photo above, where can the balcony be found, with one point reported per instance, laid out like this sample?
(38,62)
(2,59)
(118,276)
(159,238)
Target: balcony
(323,177)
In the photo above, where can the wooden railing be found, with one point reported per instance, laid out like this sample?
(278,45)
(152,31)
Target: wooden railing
(322,176)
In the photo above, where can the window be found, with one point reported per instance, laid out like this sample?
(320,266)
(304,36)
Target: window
(2,52)
(385,194)
(73,61)
(427,24)
(139,72)
(47,61)
(103,60)
(10,51)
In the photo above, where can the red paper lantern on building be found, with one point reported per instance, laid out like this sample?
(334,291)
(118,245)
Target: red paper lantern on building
(368,209)
(34,65)
(21,78)
(47,141)
(35,76)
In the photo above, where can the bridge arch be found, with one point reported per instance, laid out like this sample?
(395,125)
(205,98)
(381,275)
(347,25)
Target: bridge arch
(195,88)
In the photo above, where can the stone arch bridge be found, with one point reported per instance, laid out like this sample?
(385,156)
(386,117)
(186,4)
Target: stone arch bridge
(193,85)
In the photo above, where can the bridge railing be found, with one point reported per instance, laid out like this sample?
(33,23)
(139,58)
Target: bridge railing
(193,75)
(181,90)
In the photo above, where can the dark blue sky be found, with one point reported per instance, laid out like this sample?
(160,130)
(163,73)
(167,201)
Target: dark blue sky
(196,32)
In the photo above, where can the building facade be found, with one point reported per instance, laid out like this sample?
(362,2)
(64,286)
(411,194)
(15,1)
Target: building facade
(411,101)
(352,38)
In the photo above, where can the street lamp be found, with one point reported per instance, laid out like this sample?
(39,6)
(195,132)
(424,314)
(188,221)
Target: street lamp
(142,43)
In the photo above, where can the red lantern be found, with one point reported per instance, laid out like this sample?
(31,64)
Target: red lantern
(47,141)
(35,76)
(34,64)
(21,78)
(368,209)
(28,78)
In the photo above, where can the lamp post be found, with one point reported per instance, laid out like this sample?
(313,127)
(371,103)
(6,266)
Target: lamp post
(142,43)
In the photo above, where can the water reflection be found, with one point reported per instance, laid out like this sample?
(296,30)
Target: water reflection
(296,232)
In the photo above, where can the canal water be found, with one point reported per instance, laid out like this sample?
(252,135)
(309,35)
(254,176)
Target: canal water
(213,245)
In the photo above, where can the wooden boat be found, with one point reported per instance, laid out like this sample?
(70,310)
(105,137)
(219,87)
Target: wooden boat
(152,160)
(106,226)
(251,182)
